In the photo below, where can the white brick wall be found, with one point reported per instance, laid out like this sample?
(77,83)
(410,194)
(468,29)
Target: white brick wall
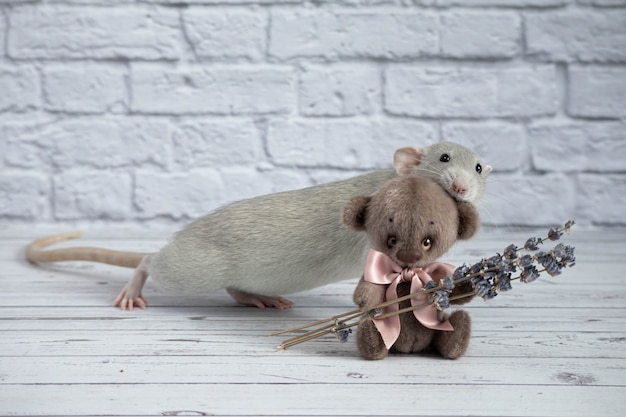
(163,110)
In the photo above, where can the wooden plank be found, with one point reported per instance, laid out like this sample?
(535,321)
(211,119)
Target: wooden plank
(306,400)
(279,368)
(234,341)
(503,319)
(102,293)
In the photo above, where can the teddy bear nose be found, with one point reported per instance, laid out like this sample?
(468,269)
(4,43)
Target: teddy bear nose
(408,257)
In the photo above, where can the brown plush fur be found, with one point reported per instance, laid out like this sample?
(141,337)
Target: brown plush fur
(397,219)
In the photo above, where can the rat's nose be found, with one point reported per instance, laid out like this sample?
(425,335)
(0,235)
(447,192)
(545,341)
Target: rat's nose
(459,187)
(408,257)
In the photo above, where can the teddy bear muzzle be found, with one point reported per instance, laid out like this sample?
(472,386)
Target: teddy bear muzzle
(408,257)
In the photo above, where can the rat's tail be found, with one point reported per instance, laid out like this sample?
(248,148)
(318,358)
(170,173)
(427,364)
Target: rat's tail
(34,253)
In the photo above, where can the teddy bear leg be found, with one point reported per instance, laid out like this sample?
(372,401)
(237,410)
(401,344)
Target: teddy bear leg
(452,345)
(369,341)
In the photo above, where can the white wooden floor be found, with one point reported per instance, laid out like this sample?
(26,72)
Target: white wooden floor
(556,347)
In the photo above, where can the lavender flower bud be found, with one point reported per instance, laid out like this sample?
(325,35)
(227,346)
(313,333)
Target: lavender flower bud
(441,300)
(476,268)
(342,333)
(529,275)
(526,261)
(554,234)
(510,252)
(503,282)
(532,244)
(483,288)
(447,283)
(494,261)
(460,272)
(565,253)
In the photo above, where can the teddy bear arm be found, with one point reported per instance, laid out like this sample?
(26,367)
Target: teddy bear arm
(464,288)
(367,295)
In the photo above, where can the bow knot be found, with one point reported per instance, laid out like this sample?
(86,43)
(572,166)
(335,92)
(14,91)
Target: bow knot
(381,269)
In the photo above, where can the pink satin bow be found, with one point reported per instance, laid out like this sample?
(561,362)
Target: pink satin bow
(381,269)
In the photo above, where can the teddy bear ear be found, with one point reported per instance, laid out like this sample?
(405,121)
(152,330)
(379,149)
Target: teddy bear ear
(405,159)
(354,212)
(469,221)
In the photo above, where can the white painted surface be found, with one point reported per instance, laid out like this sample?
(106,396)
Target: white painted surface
(556,347)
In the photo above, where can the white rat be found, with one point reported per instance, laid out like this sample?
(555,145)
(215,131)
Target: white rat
(261,248)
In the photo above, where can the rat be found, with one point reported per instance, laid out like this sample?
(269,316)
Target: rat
(261,248)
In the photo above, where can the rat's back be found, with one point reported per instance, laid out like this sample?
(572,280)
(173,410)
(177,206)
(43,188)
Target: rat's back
(275,244)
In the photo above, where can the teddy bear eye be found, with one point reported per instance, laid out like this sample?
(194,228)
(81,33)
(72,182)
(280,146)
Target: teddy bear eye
(427,244)
(444,158)
(479,168)
(392,241)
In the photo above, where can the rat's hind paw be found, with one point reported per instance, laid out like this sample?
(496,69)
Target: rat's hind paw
(260,301)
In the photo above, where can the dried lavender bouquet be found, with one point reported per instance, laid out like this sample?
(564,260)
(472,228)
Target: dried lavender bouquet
(488,277)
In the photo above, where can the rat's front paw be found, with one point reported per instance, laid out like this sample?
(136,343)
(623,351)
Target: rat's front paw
(127,300)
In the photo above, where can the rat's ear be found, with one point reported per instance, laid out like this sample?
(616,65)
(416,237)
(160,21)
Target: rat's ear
(354,212)
(469,221)
(487,169)
(405,159)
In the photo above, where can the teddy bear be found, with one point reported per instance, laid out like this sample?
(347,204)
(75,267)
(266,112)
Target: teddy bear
(410,222)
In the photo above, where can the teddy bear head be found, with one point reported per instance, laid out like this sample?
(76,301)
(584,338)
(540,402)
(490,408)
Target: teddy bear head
(412,220)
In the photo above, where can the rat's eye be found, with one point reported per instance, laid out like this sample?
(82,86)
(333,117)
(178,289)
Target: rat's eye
(444,158)
(479,168)
(427,244)
(391,242)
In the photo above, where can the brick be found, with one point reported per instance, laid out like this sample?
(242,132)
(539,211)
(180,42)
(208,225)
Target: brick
(88,2)
(534,200)
(90,142)
(597,35)
(597,92)
(80,194)
(3,30)
(226,33)
(578,146)
(220,2)
(85,88)
(284,179)
(602,198)
(218,90)
(24,195)
(211,143)
(346,144)
(367,2)
(607,3)
(501,145)
(323,176)
(470,92)
(182,195)
(243,182)
(339,90)
(20,88)
(352,34)
(504,3)
(480,34)
(527,92)
(89,32)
